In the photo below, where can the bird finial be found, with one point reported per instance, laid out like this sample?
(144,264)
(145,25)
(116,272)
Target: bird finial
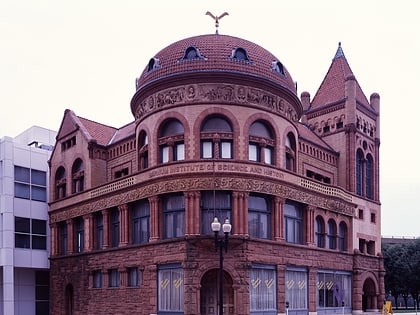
(216,19)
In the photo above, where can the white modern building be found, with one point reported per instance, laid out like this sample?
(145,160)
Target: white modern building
(24,230)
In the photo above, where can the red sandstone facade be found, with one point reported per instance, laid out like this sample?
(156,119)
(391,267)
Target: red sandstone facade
(219,131)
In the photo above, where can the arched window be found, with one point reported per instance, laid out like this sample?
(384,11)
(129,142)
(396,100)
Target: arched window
(171,141)
(290,158)
(332,234)
(342,237)
(261,143)
(143,151)
(293,223)
(359,172)
(153,64)
(192,53)
(215,204)
(78,176)
(216,138)
(320,232)
(60,183)
(369,177)
(259,216)
(240,54)
(278,67)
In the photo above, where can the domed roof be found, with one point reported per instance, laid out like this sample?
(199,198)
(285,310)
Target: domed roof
(212,54)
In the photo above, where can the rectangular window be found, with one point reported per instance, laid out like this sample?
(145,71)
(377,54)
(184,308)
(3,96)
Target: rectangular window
(179,152)
(207,149)
(63,238)
(171,289)
(114,278)
(373,217)
(133,274)
(115,227)
(226,149)
(97,279)
(297,289)
(259,219)
(293,223)
(42,292)
(165,154)
(213,203)
(263,290)
(30,233)
(333,289)
(30,184)
(173,216)
(99,230)
(79,235)
(140,217)
(253,152)
(268,155)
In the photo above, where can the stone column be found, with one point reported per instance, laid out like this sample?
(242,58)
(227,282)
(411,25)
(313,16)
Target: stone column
(105,220)
(124,222)
(70,236)
(278,215)
(154,218)
(88,232)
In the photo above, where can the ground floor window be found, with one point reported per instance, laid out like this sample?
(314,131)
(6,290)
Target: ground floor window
(262,289)
(171,289)
(297,290)
(333,290)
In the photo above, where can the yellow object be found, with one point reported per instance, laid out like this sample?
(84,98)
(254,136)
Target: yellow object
(387,308)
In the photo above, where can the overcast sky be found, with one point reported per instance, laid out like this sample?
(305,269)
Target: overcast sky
(86,54)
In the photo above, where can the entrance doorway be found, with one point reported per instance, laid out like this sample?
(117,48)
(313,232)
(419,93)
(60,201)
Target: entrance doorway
(369,299)
(210,292)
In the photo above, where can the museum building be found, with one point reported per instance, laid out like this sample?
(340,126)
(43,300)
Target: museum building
(219,131)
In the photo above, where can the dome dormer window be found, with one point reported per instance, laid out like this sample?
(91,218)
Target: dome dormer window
(240,54)
(192,53)
(278,67)
(153,64)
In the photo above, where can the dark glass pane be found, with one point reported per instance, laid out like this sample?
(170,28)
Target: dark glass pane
(39,178)
(22,241)
(39,193)
(39,242)
(260,130)
(39,227)
(42,307)
(42,278)
(22,225)
(22,191)
(42,292)
(22,174)
(216,124)
(172,127)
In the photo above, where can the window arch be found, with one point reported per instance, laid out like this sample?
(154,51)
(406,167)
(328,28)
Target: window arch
(278,67)
(332,234)
(192,53)
(60,183)
(259,216)
(342,237)
(153,64)
(216,138)
(359,172)
(143,151)
(369,177)
(261,143)
(320,232)
(78,176)
(240,54)
(290,158)
(171,141)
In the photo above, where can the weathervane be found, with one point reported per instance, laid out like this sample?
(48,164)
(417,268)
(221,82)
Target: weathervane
(216,19)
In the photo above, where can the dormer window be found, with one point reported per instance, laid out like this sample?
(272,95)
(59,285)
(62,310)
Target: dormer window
(240,54)
(153,64)
(278,67)
(192,53)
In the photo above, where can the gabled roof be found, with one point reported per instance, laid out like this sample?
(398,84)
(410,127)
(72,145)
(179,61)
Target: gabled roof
(92,131)
(332,88)
(306,134)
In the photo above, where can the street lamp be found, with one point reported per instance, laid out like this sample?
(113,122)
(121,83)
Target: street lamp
(220,244)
